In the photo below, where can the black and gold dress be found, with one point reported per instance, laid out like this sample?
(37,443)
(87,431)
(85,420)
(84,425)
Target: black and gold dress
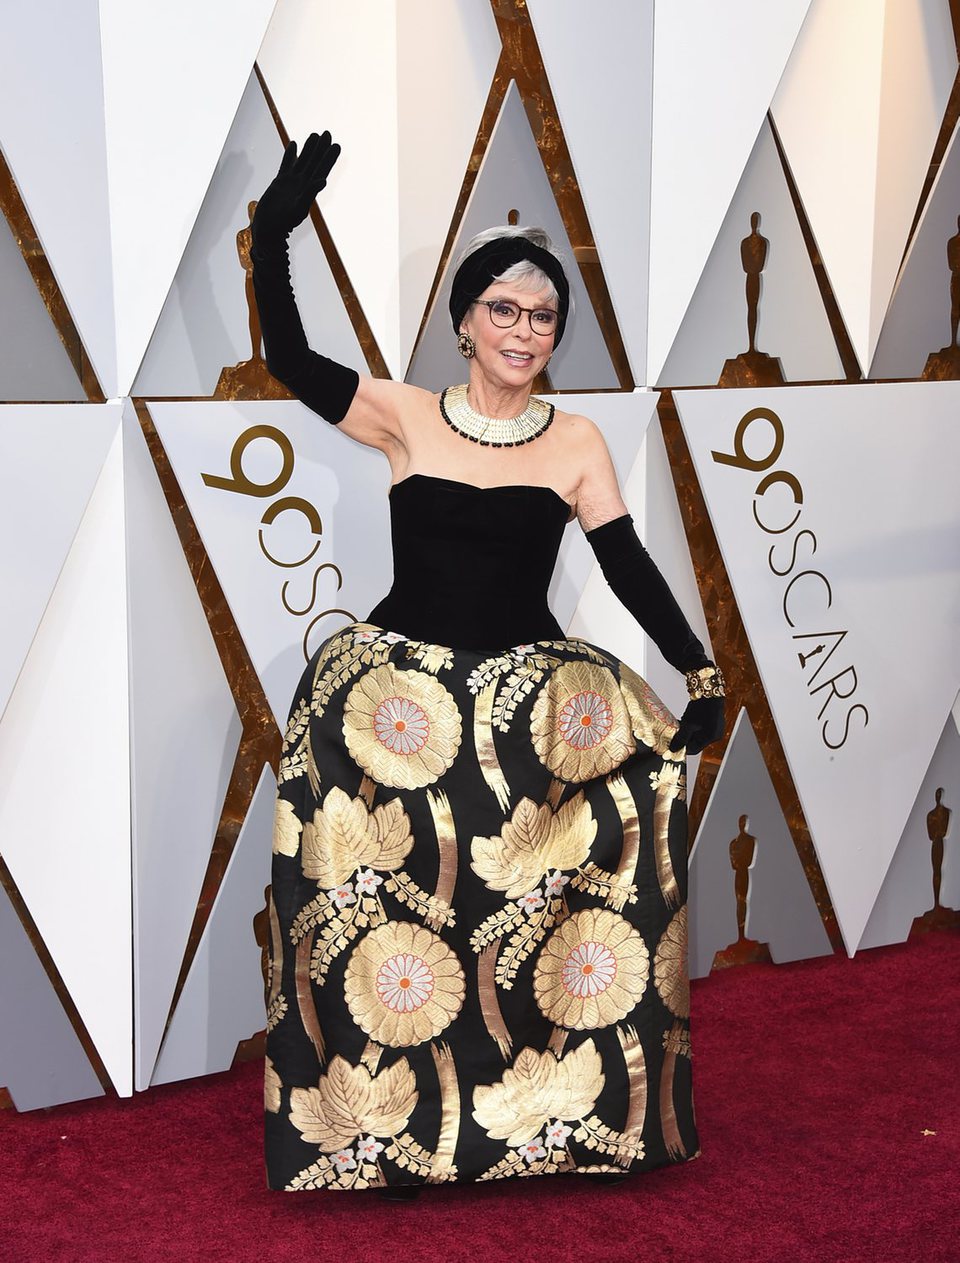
(478,918)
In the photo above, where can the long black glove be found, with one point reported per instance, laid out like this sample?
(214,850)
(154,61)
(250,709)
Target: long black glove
(322,384)
(641,588)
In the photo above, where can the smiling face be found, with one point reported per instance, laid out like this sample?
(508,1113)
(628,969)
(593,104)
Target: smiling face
(508,358)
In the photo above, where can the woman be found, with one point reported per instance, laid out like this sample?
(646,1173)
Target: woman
(479,929)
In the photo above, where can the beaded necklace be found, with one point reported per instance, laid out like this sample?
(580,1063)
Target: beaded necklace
(494,431)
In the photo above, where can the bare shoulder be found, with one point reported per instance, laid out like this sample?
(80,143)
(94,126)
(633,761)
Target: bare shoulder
(382,412)
(599,498)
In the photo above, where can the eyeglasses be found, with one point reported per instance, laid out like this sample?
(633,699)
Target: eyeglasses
(504,313)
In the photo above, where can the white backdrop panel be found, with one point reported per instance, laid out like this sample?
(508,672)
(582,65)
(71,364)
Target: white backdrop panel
(907,891)
(204,324)
(184,736)
(918,320)
(453,64)
(715,70)
(335,66)
(33,361)
(52,129)
(856,639)
(781,910)
(52,456)
(512,177)
(599,59)
(173,74)
(792,325)
(305,507)
(64,778)
(859,109)
(222,999)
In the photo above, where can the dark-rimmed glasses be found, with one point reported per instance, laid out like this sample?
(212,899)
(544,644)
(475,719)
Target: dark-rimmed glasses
(505,313)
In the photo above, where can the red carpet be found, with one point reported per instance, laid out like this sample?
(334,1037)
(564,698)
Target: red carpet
(815,1083)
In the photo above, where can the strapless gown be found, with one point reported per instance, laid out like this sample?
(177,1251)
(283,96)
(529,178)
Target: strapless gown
(478,963)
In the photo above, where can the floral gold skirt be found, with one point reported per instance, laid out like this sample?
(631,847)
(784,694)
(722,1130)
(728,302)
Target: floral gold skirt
(478,923)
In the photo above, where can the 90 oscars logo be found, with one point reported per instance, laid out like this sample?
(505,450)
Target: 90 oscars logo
(829,676)
(240,483)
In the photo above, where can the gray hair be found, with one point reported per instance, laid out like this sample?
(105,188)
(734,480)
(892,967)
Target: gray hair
(524,275)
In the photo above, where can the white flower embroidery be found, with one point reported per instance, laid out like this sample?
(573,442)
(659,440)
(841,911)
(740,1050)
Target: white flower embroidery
(531,902)
(557,1133)
(368,1148)
(342,895)
(364,637)
(521,651)
(368,881)
(533,1150)
(392,637)
(343,1160)
(555,883)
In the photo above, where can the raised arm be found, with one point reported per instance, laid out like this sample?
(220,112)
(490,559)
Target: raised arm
(641,588)
(368,410)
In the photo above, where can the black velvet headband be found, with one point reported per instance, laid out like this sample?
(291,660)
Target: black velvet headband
(481,268)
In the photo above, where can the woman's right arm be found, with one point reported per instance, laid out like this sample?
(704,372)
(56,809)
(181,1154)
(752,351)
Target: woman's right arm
(367,409)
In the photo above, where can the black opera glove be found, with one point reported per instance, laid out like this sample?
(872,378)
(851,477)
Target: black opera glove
(640,587)
(322,384)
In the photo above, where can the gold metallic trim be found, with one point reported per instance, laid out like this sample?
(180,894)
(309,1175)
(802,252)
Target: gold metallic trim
(626,872)
(308,1011)
(744,688)
(662,807)
(668,1114)
(486,749)
(637,1076)
(442,1168)
(489,1001)
(15,213)
(446,831)
(558,1041)
(376,364)
(53,973)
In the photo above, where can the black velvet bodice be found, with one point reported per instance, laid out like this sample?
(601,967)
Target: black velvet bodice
(472,565)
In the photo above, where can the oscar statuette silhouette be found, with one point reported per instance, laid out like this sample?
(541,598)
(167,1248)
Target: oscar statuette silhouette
(753,367)
(743,854)
(938,826)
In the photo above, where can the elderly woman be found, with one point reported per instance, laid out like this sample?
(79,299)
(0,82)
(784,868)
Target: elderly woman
(479,882)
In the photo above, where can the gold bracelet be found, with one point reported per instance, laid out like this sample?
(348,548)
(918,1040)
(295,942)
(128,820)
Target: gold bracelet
(707,682)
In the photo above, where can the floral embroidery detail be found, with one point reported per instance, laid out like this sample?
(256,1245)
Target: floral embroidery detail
(369,1148)
(592,970)
(556,1134)
(555,883)
(403,984)
(364,637)
(349,1101)
(670,778)
(536,1088)
(533,1150)
(286,829)
(342,895)
(671,975)
(343,1160)
(368,881)
(533,842)
(531,902)
(393,638)
(403,728)
(579,723)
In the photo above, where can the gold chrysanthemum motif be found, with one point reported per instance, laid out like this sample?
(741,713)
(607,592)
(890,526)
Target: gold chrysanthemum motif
(539,1087)
(402,727)
(286,829)
(579,723)
(671,976)
(403,984)
(345,835)
(592,971)
(651,722)
(350,1101)
(271,1088)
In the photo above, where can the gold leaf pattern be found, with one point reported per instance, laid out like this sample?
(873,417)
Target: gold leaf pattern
(402,727)
(271,1088)
(534,841)
(579,724)
(349,1101)
(345,836)
(536,1088)
(286,829)
(592,970)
